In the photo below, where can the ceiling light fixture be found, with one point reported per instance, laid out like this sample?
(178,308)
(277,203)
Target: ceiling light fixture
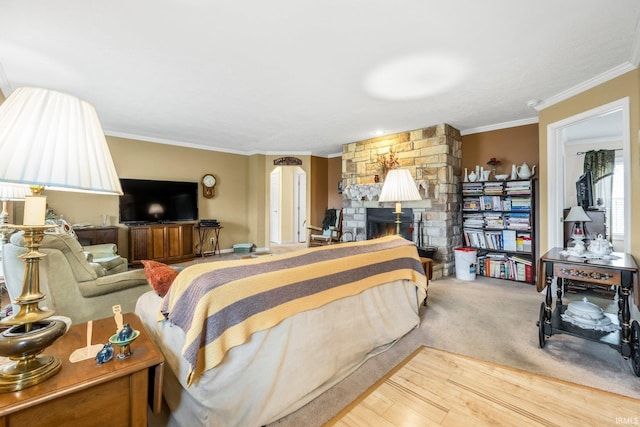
(414,77)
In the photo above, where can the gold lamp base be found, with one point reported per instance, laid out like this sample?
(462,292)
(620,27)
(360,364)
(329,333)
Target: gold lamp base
(29,368)
(29,332)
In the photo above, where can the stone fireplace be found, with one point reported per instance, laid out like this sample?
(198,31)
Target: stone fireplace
(433,156)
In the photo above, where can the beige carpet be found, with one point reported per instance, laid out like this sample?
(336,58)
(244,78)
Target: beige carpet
(492,320)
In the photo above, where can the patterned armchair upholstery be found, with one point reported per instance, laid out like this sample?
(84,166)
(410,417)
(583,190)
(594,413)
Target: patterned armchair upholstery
(73,285)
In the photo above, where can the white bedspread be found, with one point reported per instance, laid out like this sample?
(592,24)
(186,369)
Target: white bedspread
(281,369)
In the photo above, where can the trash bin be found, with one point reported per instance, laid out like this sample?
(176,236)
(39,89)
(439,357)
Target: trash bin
(466,263)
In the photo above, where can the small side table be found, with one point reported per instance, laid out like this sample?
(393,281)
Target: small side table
(87,394)
(203,231)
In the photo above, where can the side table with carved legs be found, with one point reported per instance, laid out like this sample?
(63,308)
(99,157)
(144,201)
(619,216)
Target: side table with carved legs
(620,270)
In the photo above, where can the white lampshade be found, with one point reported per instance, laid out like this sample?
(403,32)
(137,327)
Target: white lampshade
(13,191)
(54,140)
(577,214)
(399,186)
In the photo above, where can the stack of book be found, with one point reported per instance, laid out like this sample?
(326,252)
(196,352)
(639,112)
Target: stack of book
(471,204)
(521,203)
(518,221)
(518,187)
(493,188)
(493,220)
(471,189)
(472,220)
(504,266)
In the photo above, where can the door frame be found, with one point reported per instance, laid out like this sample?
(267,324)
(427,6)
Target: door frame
(556,170)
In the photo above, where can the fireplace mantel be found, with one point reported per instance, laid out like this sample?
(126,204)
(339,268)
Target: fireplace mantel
(371,192)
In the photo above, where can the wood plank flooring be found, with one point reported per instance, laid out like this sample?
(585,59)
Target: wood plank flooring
(437,388)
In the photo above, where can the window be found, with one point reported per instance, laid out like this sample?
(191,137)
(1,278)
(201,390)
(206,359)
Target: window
(617,201)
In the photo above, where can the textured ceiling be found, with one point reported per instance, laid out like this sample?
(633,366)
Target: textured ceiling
(300,76)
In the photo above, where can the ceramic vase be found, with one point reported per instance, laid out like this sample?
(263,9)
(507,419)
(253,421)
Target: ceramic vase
(514,172)
(466,176)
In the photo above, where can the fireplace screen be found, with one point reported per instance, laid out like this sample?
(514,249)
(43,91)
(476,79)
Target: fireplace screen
(382,222)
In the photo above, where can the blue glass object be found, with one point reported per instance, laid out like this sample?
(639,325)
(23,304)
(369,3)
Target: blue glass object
(125,333)
(105,354)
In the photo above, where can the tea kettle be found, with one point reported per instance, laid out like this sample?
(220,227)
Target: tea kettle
(600,246)
(524,172)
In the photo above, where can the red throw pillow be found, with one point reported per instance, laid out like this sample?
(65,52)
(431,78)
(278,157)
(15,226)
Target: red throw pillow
(160,276)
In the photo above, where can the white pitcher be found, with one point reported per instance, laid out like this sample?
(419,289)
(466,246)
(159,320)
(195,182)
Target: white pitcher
(524,172)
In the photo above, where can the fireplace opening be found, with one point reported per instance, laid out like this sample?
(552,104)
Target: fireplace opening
(382,222)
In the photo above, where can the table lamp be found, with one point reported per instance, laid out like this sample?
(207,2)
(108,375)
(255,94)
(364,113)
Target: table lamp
(399,187)
(9,192)
(53,140)
(578,217)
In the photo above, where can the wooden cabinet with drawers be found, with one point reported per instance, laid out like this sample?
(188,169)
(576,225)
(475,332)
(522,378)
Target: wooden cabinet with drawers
(167,243)
(97,235)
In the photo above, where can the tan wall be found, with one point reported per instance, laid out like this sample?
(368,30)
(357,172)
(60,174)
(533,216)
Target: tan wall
(627,85)
(146,160)
(319,190)
(257,201)
(334,176)
(512,146)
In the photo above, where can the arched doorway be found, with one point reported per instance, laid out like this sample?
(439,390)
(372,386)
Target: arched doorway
(287,205)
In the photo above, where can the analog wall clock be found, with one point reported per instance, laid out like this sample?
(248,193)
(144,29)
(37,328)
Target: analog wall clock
(208,185)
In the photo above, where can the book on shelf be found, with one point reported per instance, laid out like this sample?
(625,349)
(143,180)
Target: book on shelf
(509,240)
(471,204)
(500,267)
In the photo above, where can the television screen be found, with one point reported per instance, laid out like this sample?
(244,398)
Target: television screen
(584,190)
(158,201)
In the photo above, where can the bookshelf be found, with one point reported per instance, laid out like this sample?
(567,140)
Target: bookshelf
(498,220)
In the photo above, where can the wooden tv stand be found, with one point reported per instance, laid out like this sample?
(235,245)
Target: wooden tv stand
(167,243)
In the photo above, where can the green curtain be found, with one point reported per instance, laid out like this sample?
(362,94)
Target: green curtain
(600,163)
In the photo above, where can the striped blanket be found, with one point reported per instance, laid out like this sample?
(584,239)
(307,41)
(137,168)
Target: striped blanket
(219,305)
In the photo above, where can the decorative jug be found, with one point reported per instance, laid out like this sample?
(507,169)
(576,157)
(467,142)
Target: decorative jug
(600,246)
(524,172)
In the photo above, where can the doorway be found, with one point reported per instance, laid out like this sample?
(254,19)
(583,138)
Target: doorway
(558,146)
(288,211)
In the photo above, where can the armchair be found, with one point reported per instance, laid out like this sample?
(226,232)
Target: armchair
(73,286)
(329,233)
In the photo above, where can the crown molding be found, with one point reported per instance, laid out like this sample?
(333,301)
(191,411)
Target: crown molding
(499,126)
(586,85)
(635,47)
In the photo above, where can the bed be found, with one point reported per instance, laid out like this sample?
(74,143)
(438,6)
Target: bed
(247,342)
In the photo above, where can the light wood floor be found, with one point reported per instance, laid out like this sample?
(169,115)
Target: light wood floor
(437,388)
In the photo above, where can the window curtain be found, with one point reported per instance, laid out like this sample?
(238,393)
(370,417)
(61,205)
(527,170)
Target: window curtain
(601,163)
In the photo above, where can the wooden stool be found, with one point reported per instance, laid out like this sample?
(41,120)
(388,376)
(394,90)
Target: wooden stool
(427,266)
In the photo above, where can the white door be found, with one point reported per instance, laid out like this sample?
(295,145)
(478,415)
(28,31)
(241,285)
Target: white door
(274,207)
(300,206)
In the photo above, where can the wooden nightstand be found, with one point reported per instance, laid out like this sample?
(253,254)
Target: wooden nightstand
(87,394)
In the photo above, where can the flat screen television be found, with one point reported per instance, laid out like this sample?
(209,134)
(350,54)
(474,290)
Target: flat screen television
(148,201)
(584,190)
